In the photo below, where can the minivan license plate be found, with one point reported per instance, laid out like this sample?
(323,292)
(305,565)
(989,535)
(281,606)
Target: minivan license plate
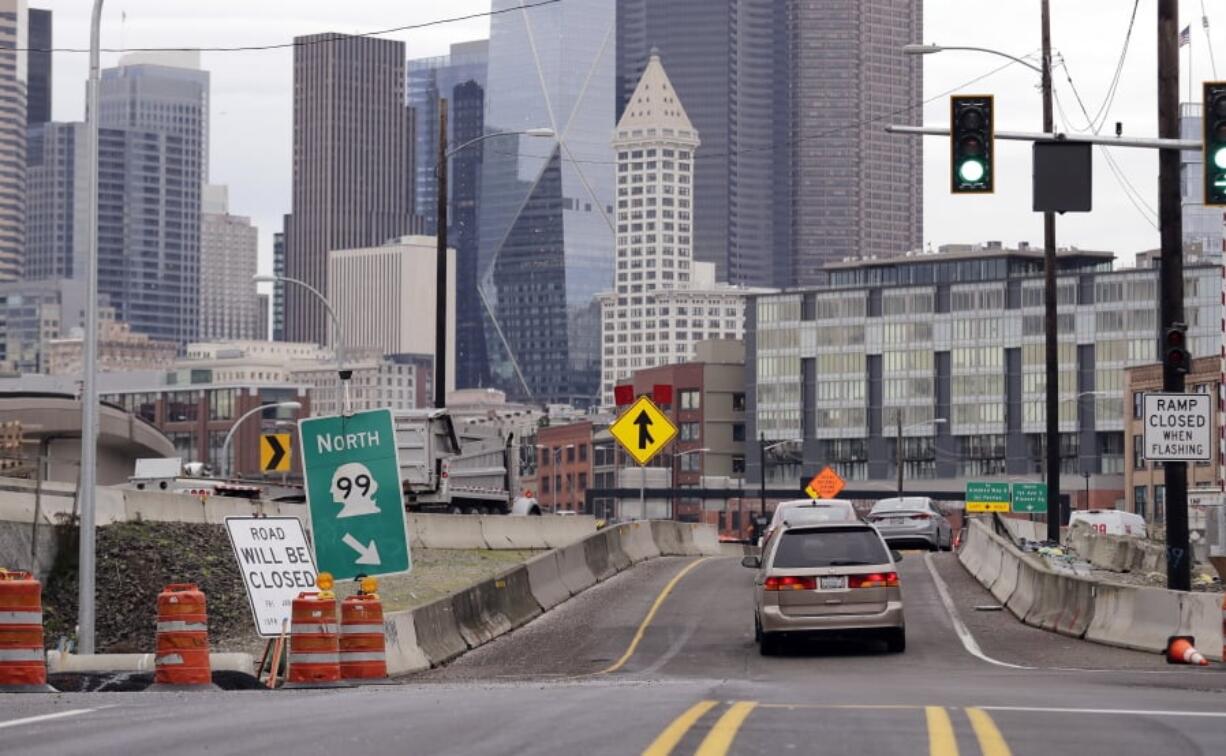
(833,583)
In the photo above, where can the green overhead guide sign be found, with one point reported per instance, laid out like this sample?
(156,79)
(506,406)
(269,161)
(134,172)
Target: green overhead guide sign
(358,525)
(1025,498)
(987,497)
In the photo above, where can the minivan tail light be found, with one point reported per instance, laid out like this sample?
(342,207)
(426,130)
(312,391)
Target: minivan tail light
(790,583)
(874,580)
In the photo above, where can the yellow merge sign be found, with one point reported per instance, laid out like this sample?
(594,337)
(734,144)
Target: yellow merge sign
(643,430)
(275,452)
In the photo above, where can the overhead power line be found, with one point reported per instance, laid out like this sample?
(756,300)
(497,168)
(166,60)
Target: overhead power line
(326,39)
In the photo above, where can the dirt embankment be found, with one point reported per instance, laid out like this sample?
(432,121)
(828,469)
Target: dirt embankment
(136,560)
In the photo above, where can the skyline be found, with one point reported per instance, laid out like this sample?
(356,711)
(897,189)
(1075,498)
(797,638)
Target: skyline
(257,165)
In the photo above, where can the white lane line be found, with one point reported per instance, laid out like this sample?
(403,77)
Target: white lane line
(964,634)
(1120,712)
(45,717)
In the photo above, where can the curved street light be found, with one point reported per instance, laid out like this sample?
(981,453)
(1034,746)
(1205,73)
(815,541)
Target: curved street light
(338,339)
(917,49)
(225,445)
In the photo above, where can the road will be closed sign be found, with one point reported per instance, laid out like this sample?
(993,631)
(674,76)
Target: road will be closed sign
(1178,427)
(276,564)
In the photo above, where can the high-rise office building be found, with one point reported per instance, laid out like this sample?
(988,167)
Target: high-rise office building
(546,205)
(13,37)
(460,78)
(229,247)
(57,186)
(727,59)
(855,191)
(429,79)
(353,163)
(278,288)
(38,87)
(663,301)
(154,114)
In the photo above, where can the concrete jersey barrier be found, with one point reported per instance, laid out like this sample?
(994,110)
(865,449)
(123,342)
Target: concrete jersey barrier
(403,652)
(545,580)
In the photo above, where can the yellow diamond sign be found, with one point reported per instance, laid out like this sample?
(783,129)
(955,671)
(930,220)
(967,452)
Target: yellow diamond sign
(643,430)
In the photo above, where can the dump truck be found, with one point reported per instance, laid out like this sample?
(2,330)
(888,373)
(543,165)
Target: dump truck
(458,468)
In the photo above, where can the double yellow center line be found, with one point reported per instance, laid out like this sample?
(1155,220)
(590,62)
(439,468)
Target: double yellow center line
(942,738)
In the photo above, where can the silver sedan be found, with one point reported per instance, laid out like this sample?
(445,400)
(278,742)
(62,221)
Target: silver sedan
(910,522)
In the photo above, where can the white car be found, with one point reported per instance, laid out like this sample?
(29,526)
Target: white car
(1110,522)
(798,511)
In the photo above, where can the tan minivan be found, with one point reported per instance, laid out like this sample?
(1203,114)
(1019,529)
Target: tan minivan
(827,577)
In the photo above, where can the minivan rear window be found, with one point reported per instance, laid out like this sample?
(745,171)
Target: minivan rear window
(800,549)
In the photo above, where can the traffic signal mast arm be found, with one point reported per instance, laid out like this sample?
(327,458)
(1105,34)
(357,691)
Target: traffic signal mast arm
(1033,136)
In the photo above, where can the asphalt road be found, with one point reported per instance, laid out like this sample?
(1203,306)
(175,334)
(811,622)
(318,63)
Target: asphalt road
(591,677)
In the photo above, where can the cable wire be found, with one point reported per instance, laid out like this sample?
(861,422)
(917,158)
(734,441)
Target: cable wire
(327,38)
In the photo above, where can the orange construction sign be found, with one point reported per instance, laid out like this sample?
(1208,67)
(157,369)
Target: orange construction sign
(825,485)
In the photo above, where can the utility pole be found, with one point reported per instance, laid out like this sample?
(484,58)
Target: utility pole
(898,449)
(1170,272)
(1050,321)
(440,264)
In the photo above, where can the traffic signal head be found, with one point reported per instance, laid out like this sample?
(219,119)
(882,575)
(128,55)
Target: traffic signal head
(1175,353)
(1215,142)
(971,131)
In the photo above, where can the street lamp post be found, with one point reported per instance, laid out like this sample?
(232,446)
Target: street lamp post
(338,334)
(898,441)
(225,445)
(1051,358)
(89,356)
(440,260)
(677,456)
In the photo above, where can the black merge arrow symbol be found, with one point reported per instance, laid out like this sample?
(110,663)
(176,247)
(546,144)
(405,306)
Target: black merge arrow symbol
(643,421)
(278,453)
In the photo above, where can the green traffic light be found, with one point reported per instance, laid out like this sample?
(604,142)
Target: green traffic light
(1219,158)
(971,171)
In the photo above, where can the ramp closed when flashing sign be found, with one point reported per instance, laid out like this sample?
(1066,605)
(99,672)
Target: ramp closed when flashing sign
(1178,427)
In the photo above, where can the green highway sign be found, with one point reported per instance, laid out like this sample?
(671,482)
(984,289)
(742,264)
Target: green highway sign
(358,525)
(1030,498)
(987,497)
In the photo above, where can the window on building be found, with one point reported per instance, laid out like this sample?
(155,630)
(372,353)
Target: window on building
(691,399)
(1139,504)
(582,481)
(1159,504)
(1138,401)
(570,454)
(738,463)
(738,431)
(689,431)
(545,484)
(221,404)
(1138,446)
(583,452)
(183,407)
(738,401)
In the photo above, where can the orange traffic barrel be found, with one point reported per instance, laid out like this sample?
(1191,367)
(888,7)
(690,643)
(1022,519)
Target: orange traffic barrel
(362,650)
(23,662)
(182,657)
(314,641)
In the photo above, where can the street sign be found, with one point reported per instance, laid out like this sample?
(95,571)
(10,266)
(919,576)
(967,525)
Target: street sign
(1178,427)
(987,497)
(276,565)
(825,485)
(358,525)
(275,454)
(643,430)
(1030,498)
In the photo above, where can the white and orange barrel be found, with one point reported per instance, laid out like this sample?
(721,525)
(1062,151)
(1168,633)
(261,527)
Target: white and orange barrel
(182,656)
(314,641)
(363,656)
(23,663)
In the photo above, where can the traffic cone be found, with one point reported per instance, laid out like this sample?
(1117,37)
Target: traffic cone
(182,658)
(1179,650)
(23,667)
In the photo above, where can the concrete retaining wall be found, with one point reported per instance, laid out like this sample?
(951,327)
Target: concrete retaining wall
(1119,615)
(438,632)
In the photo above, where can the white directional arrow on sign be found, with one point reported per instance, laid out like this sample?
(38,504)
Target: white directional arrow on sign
(366,554)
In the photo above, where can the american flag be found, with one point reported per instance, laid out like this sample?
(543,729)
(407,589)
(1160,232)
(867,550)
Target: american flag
(1185,36)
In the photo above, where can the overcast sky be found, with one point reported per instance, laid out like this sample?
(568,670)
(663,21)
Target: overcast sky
(251,104)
